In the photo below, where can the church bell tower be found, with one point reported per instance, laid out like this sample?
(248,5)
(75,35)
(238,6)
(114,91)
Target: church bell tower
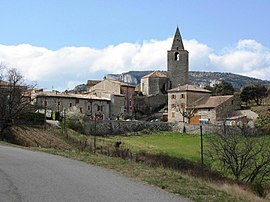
(177,62)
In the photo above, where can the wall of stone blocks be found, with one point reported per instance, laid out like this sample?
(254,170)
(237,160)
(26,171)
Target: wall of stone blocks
(106,127)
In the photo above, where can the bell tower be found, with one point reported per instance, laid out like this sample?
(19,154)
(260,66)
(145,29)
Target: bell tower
(177,62)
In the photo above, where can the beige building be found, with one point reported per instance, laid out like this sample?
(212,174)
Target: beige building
(117,88)
(90,105)
(154,83)
(190,104)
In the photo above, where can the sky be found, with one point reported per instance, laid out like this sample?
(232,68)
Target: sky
(63,43)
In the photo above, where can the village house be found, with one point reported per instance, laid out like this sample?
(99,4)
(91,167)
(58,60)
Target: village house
(90,105)
(114,90)
(192,104)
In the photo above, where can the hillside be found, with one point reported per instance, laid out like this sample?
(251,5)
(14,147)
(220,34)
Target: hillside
(195,77)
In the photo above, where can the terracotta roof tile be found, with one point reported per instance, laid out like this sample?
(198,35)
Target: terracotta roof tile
(189,87)
(155,74)
(212,101)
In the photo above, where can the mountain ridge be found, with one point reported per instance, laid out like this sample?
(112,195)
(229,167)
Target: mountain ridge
(200,78)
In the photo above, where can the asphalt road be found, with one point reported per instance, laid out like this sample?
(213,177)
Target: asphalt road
(36,176)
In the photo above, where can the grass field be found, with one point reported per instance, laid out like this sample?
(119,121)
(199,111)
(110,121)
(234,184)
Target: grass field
(174,144)
(171,143)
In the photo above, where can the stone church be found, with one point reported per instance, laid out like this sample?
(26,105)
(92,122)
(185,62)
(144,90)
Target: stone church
(177,62)
(177,70)
(155,85)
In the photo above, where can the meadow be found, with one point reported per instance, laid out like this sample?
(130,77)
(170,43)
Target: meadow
(173,144)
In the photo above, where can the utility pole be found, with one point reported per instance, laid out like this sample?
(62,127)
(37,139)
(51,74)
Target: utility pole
(95,134)
(202,163)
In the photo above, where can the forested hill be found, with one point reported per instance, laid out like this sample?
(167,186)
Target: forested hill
(195,77)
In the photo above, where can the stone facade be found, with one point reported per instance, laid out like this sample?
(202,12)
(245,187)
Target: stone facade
(181,99)
(177,62)
(87,104)
(150,104)
(154,83)
(198,103)
(118,88)
(117,104)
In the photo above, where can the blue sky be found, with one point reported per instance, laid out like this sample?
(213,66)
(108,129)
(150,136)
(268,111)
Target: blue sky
(62,43)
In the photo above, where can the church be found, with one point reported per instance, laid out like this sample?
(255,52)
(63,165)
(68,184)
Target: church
(185,102)
(177,70)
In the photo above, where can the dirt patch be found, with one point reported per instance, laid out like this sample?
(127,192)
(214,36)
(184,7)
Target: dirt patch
(38,137)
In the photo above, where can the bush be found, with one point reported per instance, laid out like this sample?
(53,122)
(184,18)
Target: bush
(75,125)
(31,118)
(259,189)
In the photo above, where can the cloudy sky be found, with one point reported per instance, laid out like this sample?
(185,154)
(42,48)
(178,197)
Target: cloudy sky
(62,43)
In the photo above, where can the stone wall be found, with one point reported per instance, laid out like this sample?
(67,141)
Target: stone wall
(107,127)
(148,104)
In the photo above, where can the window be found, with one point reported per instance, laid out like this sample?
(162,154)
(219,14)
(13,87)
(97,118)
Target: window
(45,103)
(59,103)
(70,104)
(80,109)
(173,96)
(99,108)
(88,107)
(173,114)
(182,95)
(77,101)
(173,106)
(177,56)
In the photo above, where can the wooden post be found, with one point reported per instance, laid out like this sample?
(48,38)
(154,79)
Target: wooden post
(202,163)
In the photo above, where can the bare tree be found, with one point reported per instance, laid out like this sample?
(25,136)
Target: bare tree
(186,111)
(15,98)
(246,158)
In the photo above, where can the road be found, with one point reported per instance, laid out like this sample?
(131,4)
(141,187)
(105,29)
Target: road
(35,176)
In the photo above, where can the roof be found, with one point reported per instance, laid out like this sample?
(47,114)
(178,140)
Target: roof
(4,83)
(120,83)
(155,74)
(71,95)
(189,87)
(212,101)
(177,41)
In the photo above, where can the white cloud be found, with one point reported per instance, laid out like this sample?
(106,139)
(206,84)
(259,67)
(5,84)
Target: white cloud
(249,58)
(73,65)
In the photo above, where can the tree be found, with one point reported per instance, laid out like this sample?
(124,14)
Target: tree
(253,92)
(223,88)
(186,112)
(74,119)
(15,98)
(246,158)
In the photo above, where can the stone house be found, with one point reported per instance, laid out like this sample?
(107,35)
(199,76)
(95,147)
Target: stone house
(90,105)
(190,104)
(154,83)
(91,83)
(118,88)
(116,105)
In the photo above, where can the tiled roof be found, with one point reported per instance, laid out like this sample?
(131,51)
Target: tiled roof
(120,83)
(71,95)
(155,74)
(212,101)
(189,87)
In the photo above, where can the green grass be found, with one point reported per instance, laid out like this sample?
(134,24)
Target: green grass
(171,143)
(167,179)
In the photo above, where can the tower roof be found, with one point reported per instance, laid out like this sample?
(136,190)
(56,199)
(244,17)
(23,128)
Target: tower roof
(177,41)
